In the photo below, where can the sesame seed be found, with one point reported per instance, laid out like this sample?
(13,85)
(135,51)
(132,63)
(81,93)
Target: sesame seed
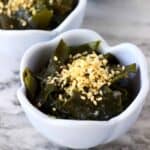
(11,26)
(33,11)
(54,109)
(55,58)
(39,104)
(92,98)
(99,99)
(118,65)
(70,56)
(89,94)
(23,22)
(52,81)
(105,61)
(64,82)
(8,12)
(117,72)
(85,53)
(123,68)
(112,72)
(83,97)
(108,83)
(65,100)
(101,56)
(101,93)
(1,5)
(96,113)
(111,75)
(60,97)
(95,103)
(51,2)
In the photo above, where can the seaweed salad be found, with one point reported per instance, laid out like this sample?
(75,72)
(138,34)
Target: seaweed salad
(80,82)
(34,14)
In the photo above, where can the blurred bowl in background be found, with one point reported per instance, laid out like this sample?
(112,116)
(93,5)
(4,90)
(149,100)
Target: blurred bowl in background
(15,42)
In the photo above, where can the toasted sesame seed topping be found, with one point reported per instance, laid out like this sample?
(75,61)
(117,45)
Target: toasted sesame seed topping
(84,72)
(13,6)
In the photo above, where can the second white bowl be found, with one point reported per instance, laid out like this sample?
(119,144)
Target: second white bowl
(15,42)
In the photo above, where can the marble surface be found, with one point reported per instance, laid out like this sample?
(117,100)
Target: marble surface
(117,21)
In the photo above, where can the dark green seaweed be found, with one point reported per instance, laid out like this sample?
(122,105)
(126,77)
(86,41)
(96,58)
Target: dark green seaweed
(30,83)
(116,97)
(89,47)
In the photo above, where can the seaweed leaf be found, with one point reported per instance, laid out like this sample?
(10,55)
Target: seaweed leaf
(46,90)
(112,103)
(131,68)
(124,74)
(42,18)
(91,46)
(30,83)
(62,51)
(64,6)
(111,59)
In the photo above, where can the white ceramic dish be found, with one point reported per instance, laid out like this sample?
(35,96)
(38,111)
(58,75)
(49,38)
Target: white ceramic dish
(85,134)
(15,42)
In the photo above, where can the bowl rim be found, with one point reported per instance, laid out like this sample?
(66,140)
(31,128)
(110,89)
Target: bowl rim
(80,5)
(138,100)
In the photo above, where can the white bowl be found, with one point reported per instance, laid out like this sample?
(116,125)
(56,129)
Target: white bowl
(85,134)
(15,42)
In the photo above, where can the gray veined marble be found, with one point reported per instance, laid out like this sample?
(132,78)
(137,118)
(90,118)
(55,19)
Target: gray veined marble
(117,21)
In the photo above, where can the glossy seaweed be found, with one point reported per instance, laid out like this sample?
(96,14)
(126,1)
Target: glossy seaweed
(116,97)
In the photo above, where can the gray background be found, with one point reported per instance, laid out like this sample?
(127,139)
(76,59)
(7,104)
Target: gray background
(117,21)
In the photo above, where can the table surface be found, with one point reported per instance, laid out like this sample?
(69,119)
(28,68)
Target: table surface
(117,21)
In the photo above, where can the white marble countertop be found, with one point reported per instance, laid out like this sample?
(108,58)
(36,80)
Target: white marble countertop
(117,21)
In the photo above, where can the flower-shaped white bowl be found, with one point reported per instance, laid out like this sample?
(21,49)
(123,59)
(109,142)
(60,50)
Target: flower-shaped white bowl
(85,134)
(15,42)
